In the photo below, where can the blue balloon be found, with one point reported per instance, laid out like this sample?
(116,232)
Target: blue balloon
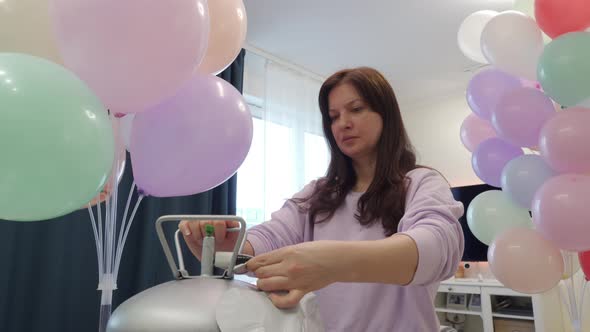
(523,176)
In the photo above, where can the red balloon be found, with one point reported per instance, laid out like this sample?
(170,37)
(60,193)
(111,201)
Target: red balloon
(556,17)
(585,263)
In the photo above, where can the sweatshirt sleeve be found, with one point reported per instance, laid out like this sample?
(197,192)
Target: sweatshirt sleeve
(287,226)
(432,221)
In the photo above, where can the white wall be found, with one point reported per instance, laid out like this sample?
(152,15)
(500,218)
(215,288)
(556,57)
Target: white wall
(434,130)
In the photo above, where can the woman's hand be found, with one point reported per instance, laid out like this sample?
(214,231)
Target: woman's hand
(194,231)
(291,272)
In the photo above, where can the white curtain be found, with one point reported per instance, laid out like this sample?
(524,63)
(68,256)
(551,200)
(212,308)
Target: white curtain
(288,148)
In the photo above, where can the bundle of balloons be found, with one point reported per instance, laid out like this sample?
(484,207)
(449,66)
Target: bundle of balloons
(82,81)
(529,135)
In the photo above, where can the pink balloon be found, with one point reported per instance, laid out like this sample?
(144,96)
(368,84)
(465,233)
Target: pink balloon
(475,130)
(520,115)
(524,261)
(565,141)
(193,141)
(531,84)
(229,24)
(132,53)
(490,158)
(561,211)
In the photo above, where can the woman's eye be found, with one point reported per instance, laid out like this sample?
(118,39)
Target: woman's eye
(357,109)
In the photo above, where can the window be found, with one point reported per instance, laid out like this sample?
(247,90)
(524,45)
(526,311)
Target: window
(288,147)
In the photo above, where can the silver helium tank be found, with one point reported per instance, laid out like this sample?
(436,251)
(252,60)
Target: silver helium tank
(185,304)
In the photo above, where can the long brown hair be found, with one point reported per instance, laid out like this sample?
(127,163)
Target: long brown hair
(385,198)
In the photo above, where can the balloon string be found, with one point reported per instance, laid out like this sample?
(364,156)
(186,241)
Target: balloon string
(96,240)
(583,295)
(565,300)
(131,218)
(108,237)
(124,221)
(100,232)
(573,301)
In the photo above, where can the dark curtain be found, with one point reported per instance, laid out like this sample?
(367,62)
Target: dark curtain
(49,271)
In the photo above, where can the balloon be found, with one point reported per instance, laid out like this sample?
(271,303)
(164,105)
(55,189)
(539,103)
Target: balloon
(564,141)
(490,157)
(492,212)
(520,115)
(132,53)
(25,27)
(55,137)
(527,7)
(585,263)
(474,130)
(227,35)
(561,210)
(513,42)
(530,84)
(486,88)
(523,176)
(521,259)
(193,141)
(557,17)
(469,35)
(571,264)
(564,69)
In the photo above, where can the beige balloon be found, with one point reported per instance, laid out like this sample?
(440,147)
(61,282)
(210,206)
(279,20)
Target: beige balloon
(25,27)
(227,35)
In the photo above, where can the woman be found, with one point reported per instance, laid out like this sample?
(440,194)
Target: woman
(374,237)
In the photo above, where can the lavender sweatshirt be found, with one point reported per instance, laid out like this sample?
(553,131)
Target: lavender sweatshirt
(431,219)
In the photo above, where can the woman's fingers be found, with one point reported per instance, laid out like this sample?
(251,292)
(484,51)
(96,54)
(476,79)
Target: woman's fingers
(273,284)
(285,300)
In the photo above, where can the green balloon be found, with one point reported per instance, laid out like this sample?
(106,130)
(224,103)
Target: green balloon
(56,140)
(564,69)
(492,212)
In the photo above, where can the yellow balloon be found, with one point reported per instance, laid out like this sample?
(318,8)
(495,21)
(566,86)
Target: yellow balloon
(25,27)
(527,7)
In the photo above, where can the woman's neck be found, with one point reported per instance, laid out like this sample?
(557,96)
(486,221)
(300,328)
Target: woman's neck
(365,172)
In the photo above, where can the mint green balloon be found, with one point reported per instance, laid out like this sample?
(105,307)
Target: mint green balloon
(56,140)
(492,212)
(564,69)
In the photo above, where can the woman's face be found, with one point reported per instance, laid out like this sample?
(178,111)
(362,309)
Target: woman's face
(356,128)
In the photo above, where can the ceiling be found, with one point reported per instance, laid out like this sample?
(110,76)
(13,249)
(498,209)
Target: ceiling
(413,42)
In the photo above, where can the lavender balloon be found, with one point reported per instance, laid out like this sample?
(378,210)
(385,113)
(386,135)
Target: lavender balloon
(490,157)
(523,176)
(486,88)
(193,141)
(520,114)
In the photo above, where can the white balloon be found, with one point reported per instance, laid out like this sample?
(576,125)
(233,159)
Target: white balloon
(469,34)
(513,42)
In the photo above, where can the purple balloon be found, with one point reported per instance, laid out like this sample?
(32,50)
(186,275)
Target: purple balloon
(490,157)
(193,141)
(520,115)
(486,88)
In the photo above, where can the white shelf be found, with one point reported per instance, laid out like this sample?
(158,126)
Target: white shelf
(458,311)
(513,316)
